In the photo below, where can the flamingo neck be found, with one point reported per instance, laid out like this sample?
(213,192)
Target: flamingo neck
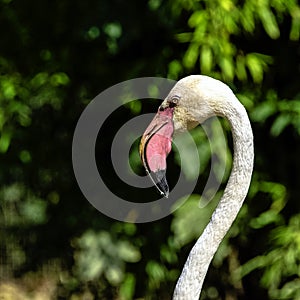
(192,277)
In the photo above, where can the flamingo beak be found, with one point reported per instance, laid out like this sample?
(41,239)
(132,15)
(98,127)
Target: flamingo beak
(155,145)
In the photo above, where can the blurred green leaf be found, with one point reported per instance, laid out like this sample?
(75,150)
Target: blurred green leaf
(280,123)
(155,270)
(25,156)
(34,210)
(93,32)
(5,139)
(175,69)
(128,252)
(39,79)
(227,68)
(206,60)
(58,79)
(127,287)
(263,111)
(113,30)
(255,67)
(295,28)
(269,21)
(241,72)
(191,56)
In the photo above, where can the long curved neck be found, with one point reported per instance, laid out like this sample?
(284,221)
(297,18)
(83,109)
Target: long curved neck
(191,280)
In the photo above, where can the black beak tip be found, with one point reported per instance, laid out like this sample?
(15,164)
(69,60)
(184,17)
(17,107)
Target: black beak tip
(166,194)
(163,191)
(160,181)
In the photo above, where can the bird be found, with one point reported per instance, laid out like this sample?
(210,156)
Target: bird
(190,102)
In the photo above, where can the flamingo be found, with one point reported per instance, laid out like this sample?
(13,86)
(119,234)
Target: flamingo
(190,102)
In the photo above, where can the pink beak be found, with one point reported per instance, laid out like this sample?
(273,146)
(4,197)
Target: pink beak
(155,145)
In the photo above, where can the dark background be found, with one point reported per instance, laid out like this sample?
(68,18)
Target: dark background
(55,57)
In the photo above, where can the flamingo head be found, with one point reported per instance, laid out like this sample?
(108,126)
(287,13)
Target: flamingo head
(183,109)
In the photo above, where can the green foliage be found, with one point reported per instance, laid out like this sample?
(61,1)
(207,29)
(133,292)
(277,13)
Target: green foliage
(286,112)
(98,254)
(51,66)
(127,287)
(21,207)
(281,264)
(20,97)
(192,216)
(215,23)
(277,193)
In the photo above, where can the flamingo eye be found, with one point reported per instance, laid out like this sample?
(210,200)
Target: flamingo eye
(174,101)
